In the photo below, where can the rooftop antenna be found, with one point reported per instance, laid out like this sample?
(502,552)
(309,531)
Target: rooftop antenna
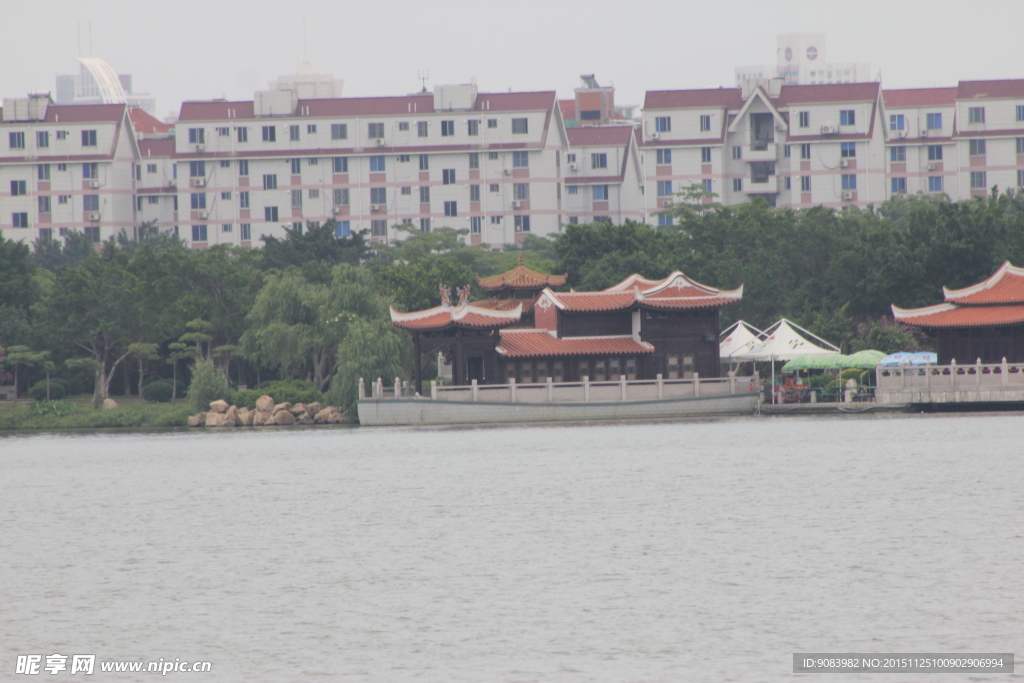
(422,75)
(305,56)
(90,38)
(79,38)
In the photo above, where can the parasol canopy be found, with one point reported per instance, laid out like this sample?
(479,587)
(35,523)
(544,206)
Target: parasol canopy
(816,362)
(865,360)
(907,358)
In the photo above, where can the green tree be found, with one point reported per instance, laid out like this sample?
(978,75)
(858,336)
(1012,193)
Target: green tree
(371,349)
(143,352)
(20,357)
(315,250)
(208,384)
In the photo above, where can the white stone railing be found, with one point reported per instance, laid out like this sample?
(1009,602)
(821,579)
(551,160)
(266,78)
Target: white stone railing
(952,376)
(573,392)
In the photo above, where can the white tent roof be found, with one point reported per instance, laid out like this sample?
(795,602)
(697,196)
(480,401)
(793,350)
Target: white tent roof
(739,338)
(785,342)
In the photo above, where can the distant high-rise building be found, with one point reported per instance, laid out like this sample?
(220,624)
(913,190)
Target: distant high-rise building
(308,85)
(801,60)
(98,83)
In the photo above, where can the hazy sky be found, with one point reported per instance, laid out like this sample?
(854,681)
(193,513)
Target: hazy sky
(187,49)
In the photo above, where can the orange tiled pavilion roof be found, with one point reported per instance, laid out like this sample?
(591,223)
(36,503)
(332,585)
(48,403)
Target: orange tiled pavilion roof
(999,300)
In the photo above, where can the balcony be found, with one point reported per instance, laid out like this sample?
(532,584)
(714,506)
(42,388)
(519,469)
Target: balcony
(763,184)
(760,151)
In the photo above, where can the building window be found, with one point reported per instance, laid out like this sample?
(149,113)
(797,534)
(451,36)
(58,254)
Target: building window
(600,192)
(521,191)
(494,187)
(786,152)
(424,225)
(805,119)
(242,134)
(65,198)
(378,228)
(1020,112)
(269,134)
(599,160)
(424,162)
(662,220)
(474,160)
(848,150)
(43,138)
(492,156)
(572,189)
(1020,145)
(897,122)
(522,223)
(789,183)
(225,227)
(246,231)
(270,181)
(311,128)
(43,171)
(737,152)
(88,138)
(225,163)
(378,195)
(17,140)
(92,233)
(340,165)
(1020,178)
(44,204)
(475,225)
(934,121)
(805,183)
(520,126)
(977,148)
(403,126)
(447,129)
(377,164)
(296,199)
(705,155)
(339,131)
(225,195)
(243,167)
(448,176)
(520,159)
(849,181)
(737,184)
(934,152)
(707,185)
(406,189)
(664,188)
(293,133)
(153,200)
(978,180)
(899,185)
(198,201)
(196,136)
(375,131)
(805,150)
(198,233)
(62,135)
(451,209)
(341,196)
(705,122)
(270,214)
(492,123)
(197,169)
(296,166)
(474,193)
(19,220)
(898,153)
(243,199)
(91,170)
(342,229)
(424,194)
(663,124)
(976,115)
(18,188)
(664,156)
(473,126)
(64,167)
(935,183)
(403,158)
(495,220)
(422,129)
(847,117)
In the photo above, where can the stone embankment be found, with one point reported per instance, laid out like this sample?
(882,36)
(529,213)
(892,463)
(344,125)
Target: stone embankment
(267,414)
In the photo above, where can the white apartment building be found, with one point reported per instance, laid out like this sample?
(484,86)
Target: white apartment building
(490,163)
(989,136)
(65,168)
(603,176)
(922,151)
(801,60)
(795,146)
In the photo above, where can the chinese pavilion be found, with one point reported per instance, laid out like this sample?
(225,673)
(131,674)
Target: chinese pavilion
(983,321)
(636,329)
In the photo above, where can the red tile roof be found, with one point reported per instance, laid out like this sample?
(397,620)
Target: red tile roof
(84,113)
(215,110)
(993,90)
(455,316)
(594,301)
(827,92)
(158,147)
(730,98)
(521,277)
(676,292)
(526,343)
(919,97)
(145,123)
(998,300)
(1006,286)
(568,109)
(599,135)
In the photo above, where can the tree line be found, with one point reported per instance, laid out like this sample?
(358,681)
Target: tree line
(110,318)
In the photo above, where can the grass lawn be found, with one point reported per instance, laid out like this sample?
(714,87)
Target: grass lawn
(77,412)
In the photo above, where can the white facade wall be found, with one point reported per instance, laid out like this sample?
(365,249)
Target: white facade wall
(613,192)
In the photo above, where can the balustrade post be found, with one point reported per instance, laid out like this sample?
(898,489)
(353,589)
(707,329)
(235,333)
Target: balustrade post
(380,388)
(512,388)
(977,373)
(362,388)
(696,385)
(622,386)
(1005,377)
(952,372)
(433,389)
(473,390)
(732,382)
(661,387)
(586,388)
(551,391)
(398,388)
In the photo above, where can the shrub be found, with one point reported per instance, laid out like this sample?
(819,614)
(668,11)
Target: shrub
(245,398)
(290,391)
(58,389)
(208,384)
(161,391)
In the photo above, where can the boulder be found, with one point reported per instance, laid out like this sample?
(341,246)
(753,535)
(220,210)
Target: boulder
(231,414)
(304,419)
(313,408)
(109,404)
(218,420)
(261,417)
(265,403)
(197,420)
(298,408)
(282,417)
(282,406)
(219,406)
(322,416)
(245,417)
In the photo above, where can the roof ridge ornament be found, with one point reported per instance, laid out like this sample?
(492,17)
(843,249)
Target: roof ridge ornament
(446,301)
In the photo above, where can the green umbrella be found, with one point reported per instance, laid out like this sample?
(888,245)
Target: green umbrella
(815,361)
(865,360)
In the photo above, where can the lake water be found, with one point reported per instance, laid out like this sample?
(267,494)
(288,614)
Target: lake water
(699,551)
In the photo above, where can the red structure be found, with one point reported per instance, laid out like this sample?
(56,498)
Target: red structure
(983,321)
(637,329)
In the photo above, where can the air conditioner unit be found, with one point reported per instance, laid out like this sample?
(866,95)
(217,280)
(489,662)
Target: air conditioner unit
(94,184)
(828,130)
(199,182)
(380,142)
(203,214)
(844,163)
(924,132)
(780,128)
(516,204)
(377,208)
(94,216)
(900,134)
(655,136)
(200,147)
(847,195)
(573,166)
(931,165)
(506,172)
(337,209)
